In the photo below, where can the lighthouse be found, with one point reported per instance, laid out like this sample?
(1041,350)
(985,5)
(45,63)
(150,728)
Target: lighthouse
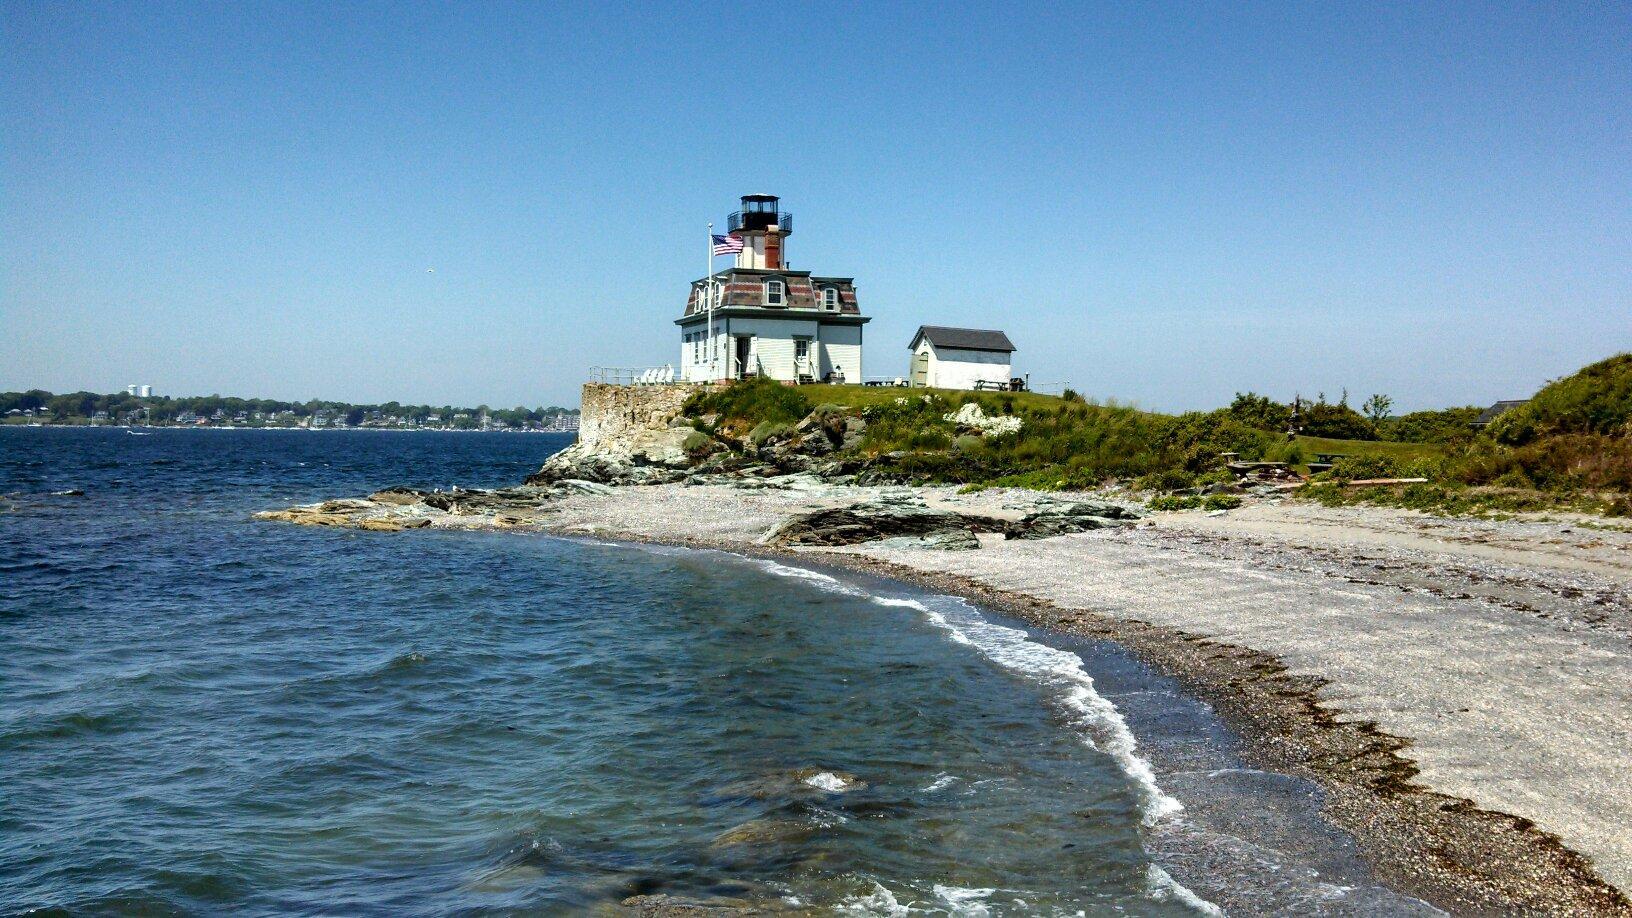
(760,318)
(762,225)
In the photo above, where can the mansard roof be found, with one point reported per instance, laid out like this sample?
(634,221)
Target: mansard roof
(745,288)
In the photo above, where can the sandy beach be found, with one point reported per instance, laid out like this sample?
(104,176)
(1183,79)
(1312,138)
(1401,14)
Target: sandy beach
(1462,689)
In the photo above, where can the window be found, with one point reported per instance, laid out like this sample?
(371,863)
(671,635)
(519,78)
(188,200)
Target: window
(830,299)
(774,291)
(801,349)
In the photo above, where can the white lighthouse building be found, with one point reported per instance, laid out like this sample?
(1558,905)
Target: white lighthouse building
(759,318)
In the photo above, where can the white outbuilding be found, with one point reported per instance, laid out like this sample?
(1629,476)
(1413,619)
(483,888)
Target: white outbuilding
(961,358)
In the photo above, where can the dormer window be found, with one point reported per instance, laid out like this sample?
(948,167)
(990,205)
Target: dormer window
(775,292)
(830,299)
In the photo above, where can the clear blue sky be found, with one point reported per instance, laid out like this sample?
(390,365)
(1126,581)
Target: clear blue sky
(1160,204)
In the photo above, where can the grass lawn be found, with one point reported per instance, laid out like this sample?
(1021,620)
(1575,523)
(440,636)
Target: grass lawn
(852,396)
(1404,452)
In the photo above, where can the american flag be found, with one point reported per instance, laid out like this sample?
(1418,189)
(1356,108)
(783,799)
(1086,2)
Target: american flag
(727,245)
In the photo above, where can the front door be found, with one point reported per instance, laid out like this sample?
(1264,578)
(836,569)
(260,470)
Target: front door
(920,368)
(745,350)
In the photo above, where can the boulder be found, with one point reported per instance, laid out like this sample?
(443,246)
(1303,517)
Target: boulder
(1054,518)
(885,517)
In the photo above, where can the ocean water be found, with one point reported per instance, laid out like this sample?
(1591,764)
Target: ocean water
(205,714)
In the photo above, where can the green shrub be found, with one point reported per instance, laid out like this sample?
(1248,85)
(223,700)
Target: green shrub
(1165,481)
(1290,452)
(1071,395)
(697,442)
(967,443)
(1595,400)
(1260,411)
(1221,502)
(1350,468)
(1188,502)
(1451,425)
(1216,476)
(768,430)
(1338,422)
(750,403)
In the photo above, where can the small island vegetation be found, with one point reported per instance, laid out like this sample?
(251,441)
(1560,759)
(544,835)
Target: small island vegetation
(1569,448)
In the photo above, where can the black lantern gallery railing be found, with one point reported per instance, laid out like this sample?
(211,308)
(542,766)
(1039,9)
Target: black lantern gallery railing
(757,221)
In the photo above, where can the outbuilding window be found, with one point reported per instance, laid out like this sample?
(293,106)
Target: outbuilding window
(830,299)
(775,292)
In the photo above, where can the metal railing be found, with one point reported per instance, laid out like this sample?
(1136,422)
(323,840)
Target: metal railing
(756,221)
(632,376)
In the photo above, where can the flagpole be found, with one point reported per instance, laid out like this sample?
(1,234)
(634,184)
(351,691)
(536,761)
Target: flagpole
(708,291)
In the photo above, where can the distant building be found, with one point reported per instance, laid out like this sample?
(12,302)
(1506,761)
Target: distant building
(1497,410)
(960,358)
(139,391)
(761,318)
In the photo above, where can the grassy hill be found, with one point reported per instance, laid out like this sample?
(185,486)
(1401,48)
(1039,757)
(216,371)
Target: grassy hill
(1571,446)
(1595,400)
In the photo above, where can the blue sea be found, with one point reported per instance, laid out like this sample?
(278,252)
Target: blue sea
(204,714)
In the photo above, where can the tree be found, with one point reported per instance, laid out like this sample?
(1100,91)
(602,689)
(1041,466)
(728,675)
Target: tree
(1260,411)
(1377,408)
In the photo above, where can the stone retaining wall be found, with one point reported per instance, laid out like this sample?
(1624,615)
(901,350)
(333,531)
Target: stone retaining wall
(613,414)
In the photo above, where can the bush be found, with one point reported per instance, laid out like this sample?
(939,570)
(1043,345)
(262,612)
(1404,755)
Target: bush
(967,443)
(1260,411)
(1290,452)
(768,430)
(697,443)
(1221,502)
(1165,481)
(1350,468)
(1072,395)
(1452,425)
(750,403)
(1595,400)
(1338,422)
(1176,503)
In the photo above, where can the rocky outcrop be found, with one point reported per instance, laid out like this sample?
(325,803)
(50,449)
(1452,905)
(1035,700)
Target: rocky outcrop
(396,509)
(1046,518)
(890,515)
(901,514)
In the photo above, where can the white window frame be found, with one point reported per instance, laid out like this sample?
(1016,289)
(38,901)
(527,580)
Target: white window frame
(776,292)
(830,299)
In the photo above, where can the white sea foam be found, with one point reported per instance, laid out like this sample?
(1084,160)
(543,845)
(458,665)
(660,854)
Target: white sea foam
(878,902)
(815,578)
(828,781)
(1161,886)
(942,782)
(964,901)
(1102,724)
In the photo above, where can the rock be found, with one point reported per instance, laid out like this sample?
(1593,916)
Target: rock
(854,428)
(971,417)
(585,487)
(884,517)
(662,905)
(1054,518)
(400,496)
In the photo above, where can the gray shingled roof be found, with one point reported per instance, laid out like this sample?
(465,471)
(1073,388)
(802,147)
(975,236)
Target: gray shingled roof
(1497,410)
(967,339)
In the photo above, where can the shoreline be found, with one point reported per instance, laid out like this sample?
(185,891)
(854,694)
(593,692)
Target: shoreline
(1461,771)
(1441,849)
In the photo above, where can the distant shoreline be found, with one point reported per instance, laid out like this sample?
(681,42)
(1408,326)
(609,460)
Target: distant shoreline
(292,429)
